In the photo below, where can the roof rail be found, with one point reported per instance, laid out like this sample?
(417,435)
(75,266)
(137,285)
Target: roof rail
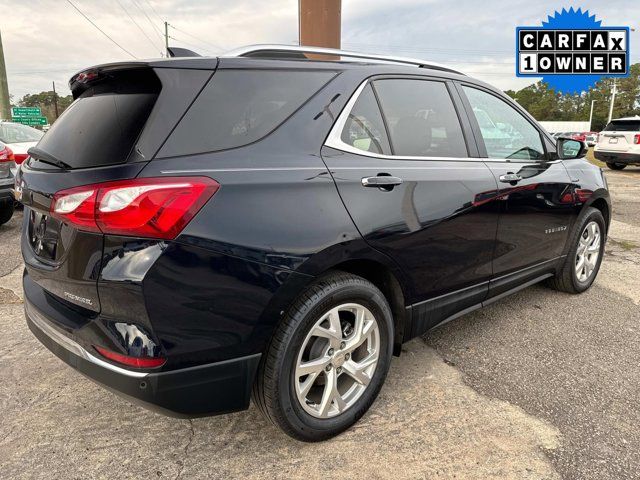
(297,52)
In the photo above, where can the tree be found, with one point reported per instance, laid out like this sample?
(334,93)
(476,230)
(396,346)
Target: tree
(44,100)
(544,104)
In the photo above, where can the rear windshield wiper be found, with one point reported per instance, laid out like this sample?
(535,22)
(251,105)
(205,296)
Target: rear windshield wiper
(47,158)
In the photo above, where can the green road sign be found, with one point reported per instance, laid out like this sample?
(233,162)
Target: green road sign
(26,112)
(31,120)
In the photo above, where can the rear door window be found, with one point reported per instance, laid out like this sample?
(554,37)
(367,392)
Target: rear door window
(421,118)
(364,128)
(238,107)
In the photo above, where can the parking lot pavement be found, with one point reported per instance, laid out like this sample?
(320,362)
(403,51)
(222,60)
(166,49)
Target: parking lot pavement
(539,385)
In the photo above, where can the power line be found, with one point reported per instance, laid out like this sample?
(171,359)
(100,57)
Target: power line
(196,38)
(154,10)
(431,51)
(100,30)
(149,20)
(137,25)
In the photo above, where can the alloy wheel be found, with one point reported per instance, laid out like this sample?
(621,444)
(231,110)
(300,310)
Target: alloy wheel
(337,360)
(588,251)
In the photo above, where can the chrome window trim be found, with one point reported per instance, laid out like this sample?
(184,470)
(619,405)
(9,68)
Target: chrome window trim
(334,139)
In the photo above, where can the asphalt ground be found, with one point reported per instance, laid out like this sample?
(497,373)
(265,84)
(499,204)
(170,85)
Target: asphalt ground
(540,385)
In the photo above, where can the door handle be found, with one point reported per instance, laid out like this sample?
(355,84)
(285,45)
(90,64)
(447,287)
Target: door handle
(381,181)
(510,177)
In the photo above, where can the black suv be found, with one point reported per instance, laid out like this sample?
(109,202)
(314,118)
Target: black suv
(202,231)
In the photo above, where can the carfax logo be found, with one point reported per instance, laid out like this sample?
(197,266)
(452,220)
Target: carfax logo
(571,51)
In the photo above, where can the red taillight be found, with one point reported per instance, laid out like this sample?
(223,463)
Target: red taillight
(137,362)
(145,207)
(636,139)
(20,157)
(6,155)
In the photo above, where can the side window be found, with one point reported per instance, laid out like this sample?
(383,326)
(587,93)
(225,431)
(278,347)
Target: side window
(506,133)
(364,129)
(421,118)
(238,107)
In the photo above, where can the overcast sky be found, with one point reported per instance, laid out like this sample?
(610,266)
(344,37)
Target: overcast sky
(48,40)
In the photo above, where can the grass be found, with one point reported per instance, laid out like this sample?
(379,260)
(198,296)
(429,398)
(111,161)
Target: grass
(624,244)
(593,160)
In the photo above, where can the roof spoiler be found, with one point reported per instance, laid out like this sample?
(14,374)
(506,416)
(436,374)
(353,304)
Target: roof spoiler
(181,52)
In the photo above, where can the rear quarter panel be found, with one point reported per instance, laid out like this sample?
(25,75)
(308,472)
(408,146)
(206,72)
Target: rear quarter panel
(276,222)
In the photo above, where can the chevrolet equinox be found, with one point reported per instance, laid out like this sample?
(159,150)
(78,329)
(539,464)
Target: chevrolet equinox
(199,232)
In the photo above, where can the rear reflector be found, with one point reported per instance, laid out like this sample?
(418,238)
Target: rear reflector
(137,362)
(21,157)
(144,207)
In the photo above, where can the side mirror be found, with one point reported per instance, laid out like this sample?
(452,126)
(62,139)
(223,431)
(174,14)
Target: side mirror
(569,148)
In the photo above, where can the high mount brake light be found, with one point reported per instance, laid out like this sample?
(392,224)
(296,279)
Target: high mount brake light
(144,207)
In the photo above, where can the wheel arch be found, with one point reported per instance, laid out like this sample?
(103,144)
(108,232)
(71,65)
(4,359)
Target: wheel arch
(386,281)
(601,204)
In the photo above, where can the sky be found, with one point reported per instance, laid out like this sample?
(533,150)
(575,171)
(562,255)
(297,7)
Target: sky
(49,40)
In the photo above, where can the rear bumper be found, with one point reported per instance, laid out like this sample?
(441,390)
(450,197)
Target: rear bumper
(6,184)
(202,390)
(616,157)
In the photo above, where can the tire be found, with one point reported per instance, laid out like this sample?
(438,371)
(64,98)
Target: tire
(6,211)
(616,166)
(567,279)
(277,385)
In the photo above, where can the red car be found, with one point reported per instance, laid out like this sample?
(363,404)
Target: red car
(7,161)
(582,136)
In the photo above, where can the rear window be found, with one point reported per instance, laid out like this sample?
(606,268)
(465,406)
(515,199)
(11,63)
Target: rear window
(238,107)
(623,126)
(16,133)
(102,125)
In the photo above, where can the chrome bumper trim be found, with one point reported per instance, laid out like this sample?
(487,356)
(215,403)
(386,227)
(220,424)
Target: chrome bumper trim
(68,344)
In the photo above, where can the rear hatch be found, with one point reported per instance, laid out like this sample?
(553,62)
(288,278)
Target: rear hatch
(620,135)
(118,121)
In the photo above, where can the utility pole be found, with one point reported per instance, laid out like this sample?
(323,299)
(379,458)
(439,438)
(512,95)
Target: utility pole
(5,104)
(319,24)
(55,100)
(591,114)
(166,38)
(614,90)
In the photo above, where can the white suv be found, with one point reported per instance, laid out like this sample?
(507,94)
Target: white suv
(619,143)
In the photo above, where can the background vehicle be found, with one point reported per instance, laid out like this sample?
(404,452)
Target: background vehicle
(7,163)
(581,136)
(619,143)
(591,138)
(19,138)
(265,225)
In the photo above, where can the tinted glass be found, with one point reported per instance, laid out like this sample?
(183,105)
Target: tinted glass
(624,126)
(238,107)
(506,133)
(16,133)
(364,129)
(98,130)
(421,118)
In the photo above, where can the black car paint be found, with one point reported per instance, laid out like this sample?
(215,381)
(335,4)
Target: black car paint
(287,211)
